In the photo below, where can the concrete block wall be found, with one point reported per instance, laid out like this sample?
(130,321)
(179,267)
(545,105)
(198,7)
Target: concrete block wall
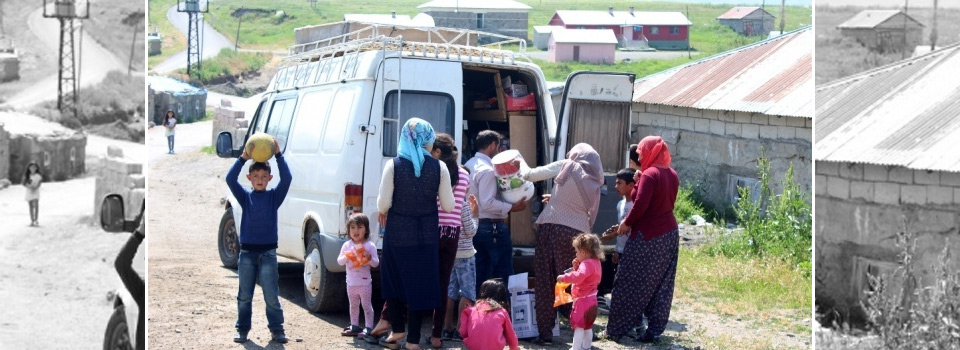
(121,176)
(504,23)
(709,145)
(60,156)
(229,119)
(860,209)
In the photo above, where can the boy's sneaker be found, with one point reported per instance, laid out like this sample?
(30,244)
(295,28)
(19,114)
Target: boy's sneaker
(451,335)
(351,331)
(240,337)
(280,337)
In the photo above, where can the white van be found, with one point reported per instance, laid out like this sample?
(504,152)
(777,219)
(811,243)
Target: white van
(334,111)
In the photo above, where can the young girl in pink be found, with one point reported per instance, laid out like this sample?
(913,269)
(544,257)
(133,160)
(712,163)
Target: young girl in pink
(585,278)
(359,255)
(487,325)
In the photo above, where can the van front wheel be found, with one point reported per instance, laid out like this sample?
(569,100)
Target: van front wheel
(228,242)
(323,290)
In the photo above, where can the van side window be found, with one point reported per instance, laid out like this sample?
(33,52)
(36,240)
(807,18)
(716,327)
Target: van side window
(280,117)
(438,109)
(261,117)
(340,114)
(311,117)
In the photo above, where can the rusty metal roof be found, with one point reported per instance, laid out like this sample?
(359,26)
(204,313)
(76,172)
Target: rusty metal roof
(619,18)
(773,76)
(904,114)
(873,18)
(741,12)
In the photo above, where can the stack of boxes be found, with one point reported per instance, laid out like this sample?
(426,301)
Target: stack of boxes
(231,120)
(119,176)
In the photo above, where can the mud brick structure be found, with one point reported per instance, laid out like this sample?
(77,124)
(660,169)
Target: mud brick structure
(229,119)
(122,177)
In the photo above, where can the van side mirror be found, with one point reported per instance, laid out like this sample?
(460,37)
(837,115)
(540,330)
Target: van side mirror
(111,214)
(225,146)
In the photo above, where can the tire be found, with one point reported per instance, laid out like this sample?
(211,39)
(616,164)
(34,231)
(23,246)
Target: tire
(328,293)
(228,242)
(117,336)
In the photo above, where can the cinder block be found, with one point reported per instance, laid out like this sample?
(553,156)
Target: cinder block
(694,112)
(733,129)
(726,116)
(114,152)
(138,181)
(851,171)
(956,196)
(901,175)
(225,103)
(711,114)
(861,190)
(701,125)
(671,121)
(654,119)
(886,193)
(939,195)
(759,119)
(750,131)
(786,132)
(805,134)
(795,122)
(873,172)
(820,182)
(778,121)
(924,177)
(950,179)
(838,188)
(768,132)
(242,123)
(686,123)
(808,122)
(827,168)
(651,108)
(717,127)
(742,117)
(913,194)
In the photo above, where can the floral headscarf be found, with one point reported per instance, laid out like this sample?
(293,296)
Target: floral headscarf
(415,134)
(653,152)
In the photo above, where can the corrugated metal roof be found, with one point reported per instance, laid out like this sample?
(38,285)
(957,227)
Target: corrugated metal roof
(594,18)
(584,36)
(774,77)
(171,85)
(741,12)
(872,18)
(546,29)
(402,20)
(904,114)
(465,5)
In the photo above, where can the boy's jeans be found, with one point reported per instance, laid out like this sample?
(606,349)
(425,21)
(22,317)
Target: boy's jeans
(494,251)
(264,266)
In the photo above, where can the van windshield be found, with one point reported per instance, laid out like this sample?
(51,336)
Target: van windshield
(436,108)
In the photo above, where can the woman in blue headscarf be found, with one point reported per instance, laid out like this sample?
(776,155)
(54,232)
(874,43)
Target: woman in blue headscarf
(409,189)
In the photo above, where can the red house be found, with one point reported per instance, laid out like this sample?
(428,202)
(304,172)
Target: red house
(633,29)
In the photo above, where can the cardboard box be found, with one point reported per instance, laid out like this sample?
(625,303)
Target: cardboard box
(525,103)
(523,312)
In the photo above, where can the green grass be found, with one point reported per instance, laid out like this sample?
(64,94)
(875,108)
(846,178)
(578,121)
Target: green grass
(687,204)
(208,150)
(113,23)
(173,40)
(838,57)
(227,64)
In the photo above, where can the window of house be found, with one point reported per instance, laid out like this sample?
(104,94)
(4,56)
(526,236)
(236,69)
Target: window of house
(654,30)
(580,27)
(479,20)
(437,109)
(674,30)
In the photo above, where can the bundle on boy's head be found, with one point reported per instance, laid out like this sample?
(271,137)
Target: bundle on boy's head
(360,219)
(626,175)
(494,291)
(259,166)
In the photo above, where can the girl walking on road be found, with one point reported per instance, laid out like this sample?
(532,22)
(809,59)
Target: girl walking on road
(31,181)
(170,122)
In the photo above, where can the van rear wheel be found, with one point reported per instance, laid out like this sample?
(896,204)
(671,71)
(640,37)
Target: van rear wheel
(228,242)
(323,290)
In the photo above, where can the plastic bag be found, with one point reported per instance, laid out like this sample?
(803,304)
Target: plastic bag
(560,295)
(358,257)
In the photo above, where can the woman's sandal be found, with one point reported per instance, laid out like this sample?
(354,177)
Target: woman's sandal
(433,345)
(393,345)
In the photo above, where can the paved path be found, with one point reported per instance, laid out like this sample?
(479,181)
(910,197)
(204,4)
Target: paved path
(213,42)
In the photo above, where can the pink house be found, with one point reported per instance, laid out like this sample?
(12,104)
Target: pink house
(582,45)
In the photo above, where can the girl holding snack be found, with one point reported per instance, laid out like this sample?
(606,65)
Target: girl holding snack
(359,255)
(585,278)
(31,181)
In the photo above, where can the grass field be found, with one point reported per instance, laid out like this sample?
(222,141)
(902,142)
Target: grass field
(173,40)
(838,57)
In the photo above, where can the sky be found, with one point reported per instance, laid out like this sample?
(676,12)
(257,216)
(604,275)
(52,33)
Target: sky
(890,3)
(750,2)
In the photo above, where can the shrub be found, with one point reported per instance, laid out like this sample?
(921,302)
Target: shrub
(687,204)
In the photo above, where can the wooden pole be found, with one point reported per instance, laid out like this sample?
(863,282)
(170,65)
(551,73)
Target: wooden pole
(933,33)
(236,44)
(133,46)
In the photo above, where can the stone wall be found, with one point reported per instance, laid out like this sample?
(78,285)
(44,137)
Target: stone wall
(229,119)
(120,176)
(4,154)
(711,147)
(504,23)
(860,208)
(60,156)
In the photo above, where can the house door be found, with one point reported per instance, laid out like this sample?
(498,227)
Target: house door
(576,53)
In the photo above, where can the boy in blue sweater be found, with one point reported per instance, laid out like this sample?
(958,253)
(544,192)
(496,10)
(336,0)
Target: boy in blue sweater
(258,242)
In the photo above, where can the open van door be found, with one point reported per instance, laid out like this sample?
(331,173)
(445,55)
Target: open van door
(595,109)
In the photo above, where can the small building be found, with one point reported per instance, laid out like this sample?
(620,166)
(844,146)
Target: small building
(9,63)
(633,29)
(59,151)
(504,17)
(748,21)
(164,94)
(887,163)
(582,45)
(154,44)
(883,30)
(421,20)
(541,36)
(717,113)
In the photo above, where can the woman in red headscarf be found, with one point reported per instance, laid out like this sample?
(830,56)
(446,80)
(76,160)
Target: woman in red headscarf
(643,285)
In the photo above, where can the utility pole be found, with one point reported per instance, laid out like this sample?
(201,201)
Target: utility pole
(783,15)
(67,13)
(236,44)
(906,5)
(688,33)
(134,20)
(933,33)
(193,8)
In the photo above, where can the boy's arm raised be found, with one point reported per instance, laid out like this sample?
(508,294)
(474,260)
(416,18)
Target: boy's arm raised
(285,178)
(232,182)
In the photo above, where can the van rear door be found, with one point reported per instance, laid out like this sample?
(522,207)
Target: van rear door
(595,109)
(408,87)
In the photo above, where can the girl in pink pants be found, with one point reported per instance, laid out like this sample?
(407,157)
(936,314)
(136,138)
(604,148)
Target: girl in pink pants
(359,255)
